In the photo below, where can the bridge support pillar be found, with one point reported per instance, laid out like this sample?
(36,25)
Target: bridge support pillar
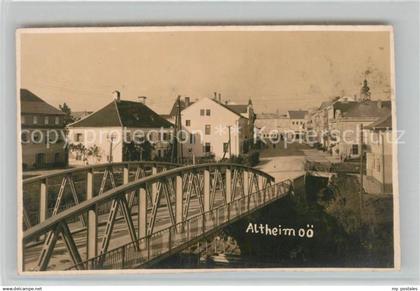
(92,226)
(178,200)
(228,185)
(206,190)
(43,201)
(142,213)
(125,180)
(154,185)
(125,174)
(246,183)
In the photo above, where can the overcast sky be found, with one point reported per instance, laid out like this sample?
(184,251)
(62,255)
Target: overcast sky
(277,69)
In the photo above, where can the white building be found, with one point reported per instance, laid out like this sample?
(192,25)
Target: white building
(214,130)
(379,142)
(270,126)
(118,132)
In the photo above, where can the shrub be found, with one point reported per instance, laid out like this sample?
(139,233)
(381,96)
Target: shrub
(253,158)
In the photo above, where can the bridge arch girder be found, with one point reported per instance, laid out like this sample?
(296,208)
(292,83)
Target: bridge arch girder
(211,182)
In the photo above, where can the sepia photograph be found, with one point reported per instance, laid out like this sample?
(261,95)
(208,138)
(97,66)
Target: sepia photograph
(187,148)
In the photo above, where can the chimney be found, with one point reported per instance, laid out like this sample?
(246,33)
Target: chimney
(215,96)
(116,95)
(142,99)
(187,102)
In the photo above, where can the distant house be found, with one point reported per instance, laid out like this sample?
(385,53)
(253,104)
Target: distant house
(318,119)
(120,131)
(379,153)
(42,134)
(297,123)
(271,126)
(344,120)
(215,129)
(77,115)
(183,103)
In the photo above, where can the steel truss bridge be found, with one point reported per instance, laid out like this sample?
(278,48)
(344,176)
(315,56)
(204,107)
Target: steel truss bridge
(134,214)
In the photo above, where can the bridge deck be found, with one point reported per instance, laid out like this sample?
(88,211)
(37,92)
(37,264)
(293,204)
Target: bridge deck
(61,260)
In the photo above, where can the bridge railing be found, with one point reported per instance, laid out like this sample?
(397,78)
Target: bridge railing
(177,237)
(47,195)
(174,187)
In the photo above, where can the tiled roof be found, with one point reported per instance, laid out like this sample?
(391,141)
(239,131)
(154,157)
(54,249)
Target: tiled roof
(297,114)
(32,104)
(174,110)
(238,108)
(80,114)
(123,113)
(384,122)
(227,107)
(366,109)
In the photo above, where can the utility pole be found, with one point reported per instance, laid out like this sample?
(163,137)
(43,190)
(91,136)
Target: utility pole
(177,154)
(110,148)
(230,143)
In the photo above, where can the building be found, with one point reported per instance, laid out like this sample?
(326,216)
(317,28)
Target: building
(379,143)
(120,131)
(77,115)
(214,129)
(318,119)
(344,121)
(297,123)
(42,133)
(183,103)
(271,126)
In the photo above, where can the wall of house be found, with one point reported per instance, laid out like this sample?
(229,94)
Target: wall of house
(348,131)
(219,120)
(42,155)
(99,137)
(42,139)
(379,157)
(267,126)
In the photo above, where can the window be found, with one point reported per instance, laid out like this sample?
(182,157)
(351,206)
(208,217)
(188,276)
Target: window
(208,112)
(35,119)
(355,149)
(46,120)
(57,120)
(202,112)
(293,122)
(22,119)
(187,122)
(207,130)
(24,137)
(78,137)
(192,139)
(207,147)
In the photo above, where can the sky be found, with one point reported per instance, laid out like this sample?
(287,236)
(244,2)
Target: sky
(278,70)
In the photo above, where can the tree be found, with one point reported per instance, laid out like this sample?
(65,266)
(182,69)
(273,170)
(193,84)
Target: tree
(134,151)
(66,109)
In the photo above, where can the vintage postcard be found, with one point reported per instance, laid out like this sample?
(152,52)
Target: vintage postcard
(162,149)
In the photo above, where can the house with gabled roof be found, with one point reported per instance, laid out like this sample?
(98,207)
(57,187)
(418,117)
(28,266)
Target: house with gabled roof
(345,119)
(42,133)
(215,130)
(118,132)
